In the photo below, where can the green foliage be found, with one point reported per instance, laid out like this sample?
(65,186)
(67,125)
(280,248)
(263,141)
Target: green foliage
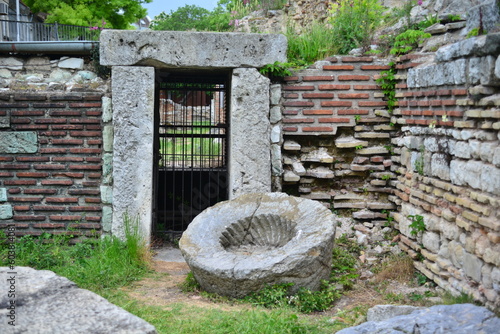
(358,147)
(390,149)
(420,278)
(415,297)
(429,20)
(190,284)
(316,41)
(183,318)
(276,70)
(407,41)
(453,18)
(357,118)
(387,81)
(94,264)
(223,18)
(343,273)
(116,14)
(473,33)
(354,22)
(305,300)
(272,296)
(389,218)
(394,297)
(462,298)
(417,224)
(43,252)
(189,17)
(420,161)
(246,6)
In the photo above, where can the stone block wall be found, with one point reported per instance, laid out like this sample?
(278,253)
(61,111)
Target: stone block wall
(337,137)
(51,146)
(448,165)
(435,158)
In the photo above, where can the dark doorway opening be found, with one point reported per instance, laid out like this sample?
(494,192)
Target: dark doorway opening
(191,148)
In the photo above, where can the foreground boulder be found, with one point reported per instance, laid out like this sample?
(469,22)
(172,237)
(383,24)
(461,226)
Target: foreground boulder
(239,246)
(48,303)
(456,319)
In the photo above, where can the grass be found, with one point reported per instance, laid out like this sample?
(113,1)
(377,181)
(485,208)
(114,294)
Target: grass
(187,148)
(396,267)
(315,42)
(342,277)
(183,318)
(108,265)
(94,264)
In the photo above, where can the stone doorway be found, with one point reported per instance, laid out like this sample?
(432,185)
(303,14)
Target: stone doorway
(136,58)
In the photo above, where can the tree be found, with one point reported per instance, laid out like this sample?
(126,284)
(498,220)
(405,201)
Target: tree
(184,18)
(191,17)
(117,14)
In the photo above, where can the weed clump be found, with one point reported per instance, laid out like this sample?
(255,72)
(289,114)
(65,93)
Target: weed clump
(94,264)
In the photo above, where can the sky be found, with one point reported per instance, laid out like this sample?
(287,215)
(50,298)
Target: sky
(157,6)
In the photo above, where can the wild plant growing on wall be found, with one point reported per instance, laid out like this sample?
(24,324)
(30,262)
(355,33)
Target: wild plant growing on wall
(354,22)
(315,42)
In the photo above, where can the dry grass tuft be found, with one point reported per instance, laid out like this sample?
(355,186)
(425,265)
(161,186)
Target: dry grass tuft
(398,268)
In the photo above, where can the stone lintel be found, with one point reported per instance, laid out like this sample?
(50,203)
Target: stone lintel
(176,49)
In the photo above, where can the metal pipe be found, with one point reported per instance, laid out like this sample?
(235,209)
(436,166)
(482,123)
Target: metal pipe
(69,47)
(18,18)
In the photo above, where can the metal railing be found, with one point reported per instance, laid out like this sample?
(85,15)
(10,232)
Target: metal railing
(19,31)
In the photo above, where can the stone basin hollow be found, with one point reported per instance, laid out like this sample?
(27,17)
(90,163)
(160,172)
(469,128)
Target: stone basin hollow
(257,234)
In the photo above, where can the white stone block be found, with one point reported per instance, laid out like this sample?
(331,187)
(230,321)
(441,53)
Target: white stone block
(72,63)
(298,168)
(276,134)
(133,119)
(11,63)
(430,240)
(6,211)
(250,166)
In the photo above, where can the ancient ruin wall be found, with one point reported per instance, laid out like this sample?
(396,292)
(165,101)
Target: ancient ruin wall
(51,146)
(337,135)
(448,165)
(437,156)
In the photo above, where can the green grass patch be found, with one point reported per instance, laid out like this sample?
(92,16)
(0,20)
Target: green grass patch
(342,278)
(315,42)
(183,318)
(94,264)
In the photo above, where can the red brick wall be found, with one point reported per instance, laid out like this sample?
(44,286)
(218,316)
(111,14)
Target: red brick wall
(424,106)
(318,101)
(58,187)
(338,99)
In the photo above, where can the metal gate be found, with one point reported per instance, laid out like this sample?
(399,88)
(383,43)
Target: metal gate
(191,148)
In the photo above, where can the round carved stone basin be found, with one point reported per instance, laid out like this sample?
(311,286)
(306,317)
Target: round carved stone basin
(239,246)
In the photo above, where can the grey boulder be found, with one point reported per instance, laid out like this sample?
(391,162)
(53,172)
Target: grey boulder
(456,319)
(239,246)
(46,303)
